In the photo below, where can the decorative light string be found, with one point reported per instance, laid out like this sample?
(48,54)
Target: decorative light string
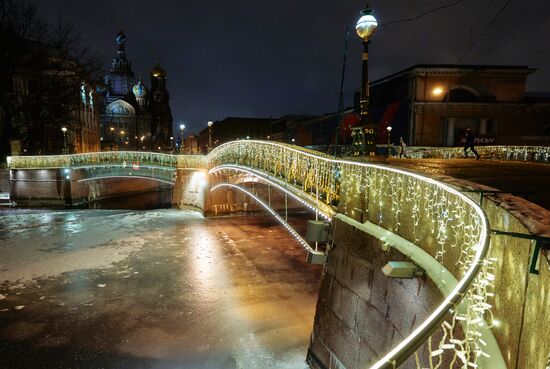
(446,223)
(514,153)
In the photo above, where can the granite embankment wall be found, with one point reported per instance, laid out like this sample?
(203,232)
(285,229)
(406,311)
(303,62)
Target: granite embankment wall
(50,187)
(521,299)
(362,315)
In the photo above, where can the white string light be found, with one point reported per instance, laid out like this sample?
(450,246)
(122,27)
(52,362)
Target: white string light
(448,224)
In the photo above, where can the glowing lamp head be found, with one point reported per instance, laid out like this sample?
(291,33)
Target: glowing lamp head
(389,128)
(366,25)
(182,127)
(210,123)
(64,129)
(437,91)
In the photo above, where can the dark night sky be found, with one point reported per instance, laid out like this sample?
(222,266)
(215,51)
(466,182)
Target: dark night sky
(270,58)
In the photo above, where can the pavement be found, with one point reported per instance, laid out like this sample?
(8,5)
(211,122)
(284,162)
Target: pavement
(510,176)
(154,289)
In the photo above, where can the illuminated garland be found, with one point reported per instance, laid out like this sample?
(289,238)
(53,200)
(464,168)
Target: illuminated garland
(448,225)
(107,157)
(514,153)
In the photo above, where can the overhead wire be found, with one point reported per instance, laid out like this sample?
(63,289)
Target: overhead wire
(470,31)
(450,5)
(495,17)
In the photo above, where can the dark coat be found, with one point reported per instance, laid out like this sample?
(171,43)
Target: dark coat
(469,138)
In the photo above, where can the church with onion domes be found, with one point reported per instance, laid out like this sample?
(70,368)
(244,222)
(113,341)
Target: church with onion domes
(134,116)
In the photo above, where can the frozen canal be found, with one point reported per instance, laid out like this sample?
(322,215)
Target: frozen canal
(151,289)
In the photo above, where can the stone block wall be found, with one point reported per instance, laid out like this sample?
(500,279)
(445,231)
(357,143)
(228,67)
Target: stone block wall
(361,314)
(50,187)
(522,299)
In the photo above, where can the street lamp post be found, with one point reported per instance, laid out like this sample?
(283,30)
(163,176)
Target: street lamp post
(64,130)
(364,137)
(182,127)
(388,128)
(210,124)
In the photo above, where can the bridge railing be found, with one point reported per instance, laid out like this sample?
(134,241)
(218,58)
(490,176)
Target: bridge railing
(107,158)
(448,225)
(540,154)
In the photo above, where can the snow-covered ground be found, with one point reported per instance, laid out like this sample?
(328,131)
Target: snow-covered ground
(41,244)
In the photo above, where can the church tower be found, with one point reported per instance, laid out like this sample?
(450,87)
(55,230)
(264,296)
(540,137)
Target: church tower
(120,79)
(160,106)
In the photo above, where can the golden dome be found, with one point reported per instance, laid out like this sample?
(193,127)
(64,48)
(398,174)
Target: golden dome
(157,71)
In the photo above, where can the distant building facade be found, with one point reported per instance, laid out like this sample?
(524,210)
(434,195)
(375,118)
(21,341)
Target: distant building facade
(232,129)
(190,145)
(432,105)
(133,115)
(48,93)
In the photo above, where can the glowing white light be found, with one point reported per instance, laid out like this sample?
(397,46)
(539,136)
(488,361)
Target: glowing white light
(470,273)
(366,25)
(272,181)
(437,91)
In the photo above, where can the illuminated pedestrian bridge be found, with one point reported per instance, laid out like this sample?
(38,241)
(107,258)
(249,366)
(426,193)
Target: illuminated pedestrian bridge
(443,317)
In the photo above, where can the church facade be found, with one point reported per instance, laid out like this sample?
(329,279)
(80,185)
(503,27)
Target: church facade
(134,116)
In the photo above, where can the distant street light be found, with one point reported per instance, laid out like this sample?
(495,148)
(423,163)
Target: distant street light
(210,124)
(364,138)
(388,128)
(64,130)
(182,127)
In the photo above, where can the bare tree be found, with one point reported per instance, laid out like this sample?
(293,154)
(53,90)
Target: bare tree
(42,68)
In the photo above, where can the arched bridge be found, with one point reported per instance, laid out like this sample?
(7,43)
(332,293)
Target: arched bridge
(113,164)
(377,214)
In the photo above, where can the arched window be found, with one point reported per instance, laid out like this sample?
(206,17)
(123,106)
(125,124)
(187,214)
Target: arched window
(462,95)
(120,107)
(91,99)
(83,94)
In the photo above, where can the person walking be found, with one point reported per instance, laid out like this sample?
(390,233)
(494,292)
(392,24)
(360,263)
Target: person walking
(470,143)
(402,145)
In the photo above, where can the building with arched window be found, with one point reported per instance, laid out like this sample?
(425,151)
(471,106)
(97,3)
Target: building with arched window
(432,105)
